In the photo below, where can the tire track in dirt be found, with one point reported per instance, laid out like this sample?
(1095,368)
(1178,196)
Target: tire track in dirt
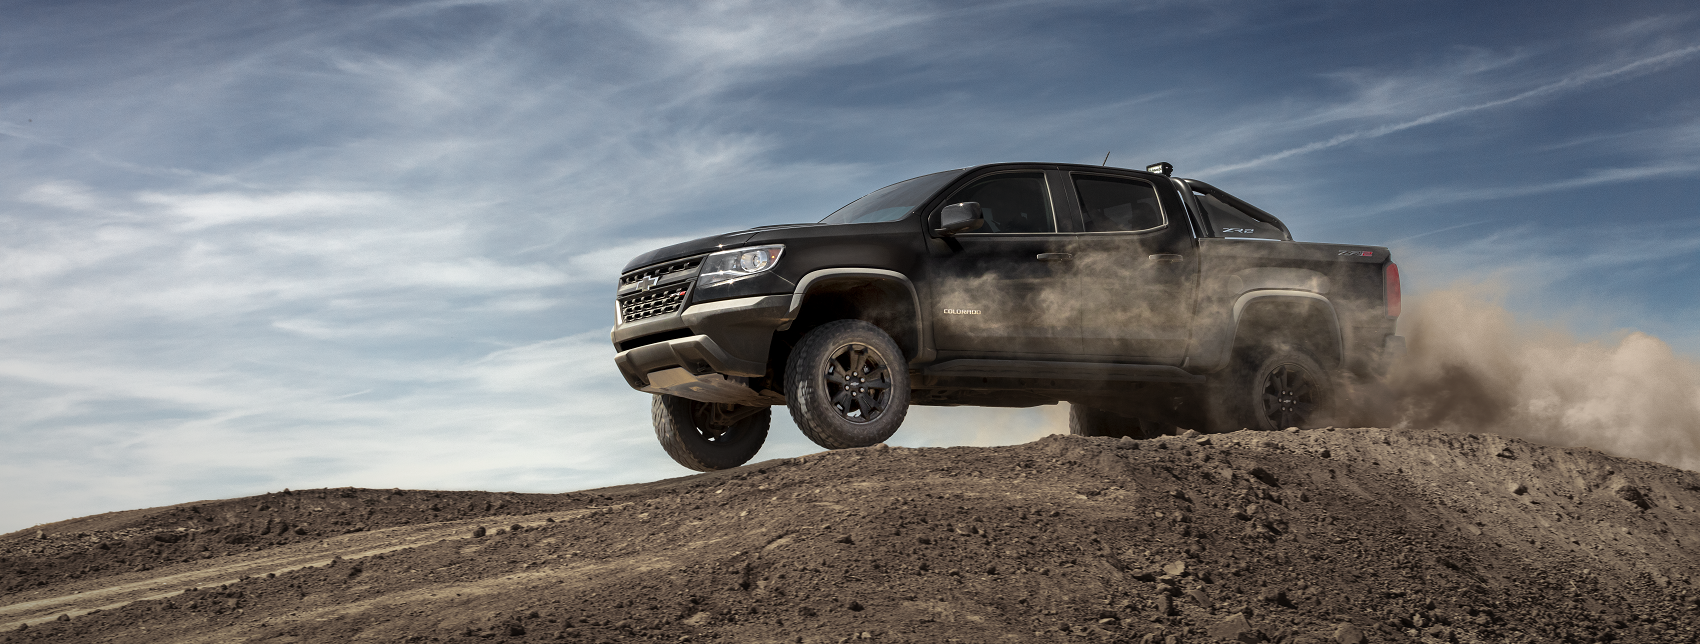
(347,547)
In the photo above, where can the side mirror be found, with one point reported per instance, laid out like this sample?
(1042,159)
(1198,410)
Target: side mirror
(960,218)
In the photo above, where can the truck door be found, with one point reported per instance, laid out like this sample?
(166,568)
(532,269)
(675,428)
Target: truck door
(1135,268)
(989,286)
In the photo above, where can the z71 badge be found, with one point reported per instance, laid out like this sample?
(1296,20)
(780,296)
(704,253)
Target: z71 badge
(1357,253)
(962,311)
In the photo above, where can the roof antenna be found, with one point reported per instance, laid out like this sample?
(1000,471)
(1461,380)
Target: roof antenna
(1106,158)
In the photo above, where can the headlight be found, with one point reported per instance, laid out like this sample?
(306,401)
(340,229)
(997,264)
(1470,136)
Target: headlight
(729,266)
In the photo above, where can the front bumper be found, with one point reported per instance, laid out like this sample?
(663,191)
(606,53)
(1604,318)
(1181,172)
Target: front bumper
(726,349)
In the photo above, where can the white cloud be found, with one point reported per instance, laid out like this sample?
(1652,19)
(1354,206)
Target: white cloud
(213,209)
(734,35)
(68,195)
(1573,81)
(473,273)
(321,330)
(1605,176)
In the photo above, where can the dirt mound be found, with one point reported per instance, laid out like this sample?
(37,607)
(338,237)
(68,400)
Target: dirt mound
(1323,535)
(141,540)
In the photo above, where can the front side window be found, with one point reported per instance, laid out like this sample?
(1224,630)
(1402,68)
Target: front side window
(892,202)
(1228,221)
(1012,202)
(1118,205)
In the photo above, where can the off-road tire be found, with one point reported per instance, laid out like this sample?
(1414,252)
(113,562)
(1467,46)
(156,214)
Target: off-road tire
(1270,390)
(836,408)
(695,434)
(1092,421)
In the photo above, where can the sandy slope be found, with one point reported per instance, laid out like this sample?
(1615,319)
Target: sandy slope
(1321,535)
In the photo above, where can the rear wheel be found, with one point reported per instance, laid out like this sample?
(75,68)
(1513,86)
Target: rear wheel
(709,436)
(847,385)
(1290,392)
(1270,390)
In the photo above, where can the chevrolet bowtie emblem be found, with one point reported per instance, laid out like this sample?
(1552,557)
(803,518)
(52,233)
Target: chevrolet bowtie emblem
(649,282)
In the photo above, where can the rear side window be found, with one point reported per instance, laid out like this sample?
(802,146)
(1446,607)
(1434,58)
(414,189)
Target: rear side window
(1013,202)
(1228,221)
(1117,205)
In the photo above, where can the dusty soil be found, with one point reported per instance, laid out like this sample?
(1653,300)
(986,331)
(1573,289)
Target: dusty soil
(1359,535)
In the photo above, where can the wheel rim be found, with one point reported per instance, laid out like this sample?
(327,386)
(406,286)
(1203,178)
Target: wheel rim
(717,423)
(1288,395)
(858,382)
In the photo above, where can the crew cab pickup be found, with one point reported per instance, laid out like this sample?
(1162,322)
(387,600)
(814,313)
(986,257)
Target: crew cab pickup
(1147,302)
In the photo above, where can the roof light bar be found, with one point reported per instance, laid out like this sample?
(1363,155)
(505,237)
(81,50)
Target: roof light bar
(1162,168)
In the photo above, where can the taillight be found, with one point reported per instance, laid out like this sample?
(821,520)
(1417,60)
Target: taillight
(1390,283)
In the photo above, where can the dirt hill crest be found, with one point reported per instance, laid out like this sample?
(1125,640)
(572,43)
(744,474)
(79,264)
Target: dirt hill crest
(1302,536)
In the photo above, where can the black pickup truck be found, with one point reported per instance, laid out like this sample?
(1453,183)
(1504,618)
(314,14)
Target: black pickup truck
(1145,301)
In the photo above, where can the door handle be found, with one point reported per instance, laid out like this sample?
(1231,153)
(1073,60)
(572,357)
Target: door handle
(1055,257)
(1166,258)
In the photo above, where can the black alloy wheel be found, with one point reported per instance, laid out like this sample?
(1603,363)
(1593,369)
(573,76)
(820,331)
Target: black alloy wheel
(847,384)
(1289,399)
(1268,390)
(858,382)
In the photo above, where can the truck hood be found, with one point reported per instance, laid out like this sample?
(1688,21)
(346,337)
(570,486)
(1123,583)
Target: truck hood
(704,245)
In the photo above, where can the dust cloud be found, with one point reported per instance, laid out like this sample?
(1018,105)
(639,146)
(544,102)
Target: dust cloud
(1473,367)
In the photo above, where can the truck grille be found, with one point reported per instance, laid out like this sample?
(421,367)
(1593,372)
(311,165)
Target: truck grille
(658,289)
(661,271)
(658,301)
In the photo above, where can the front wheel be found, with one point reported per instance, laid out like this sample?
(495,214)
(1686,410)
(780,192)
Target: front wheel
(847,385)
(709,436)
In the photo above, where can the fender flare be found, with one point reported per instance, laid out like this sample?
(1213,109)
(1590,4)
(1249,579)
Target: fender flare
(923,334)
(1312,299)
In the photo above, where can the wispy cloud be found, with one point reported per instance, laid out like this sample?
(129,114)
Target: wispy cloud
(1462,194)
(1429,233)
(1570,82)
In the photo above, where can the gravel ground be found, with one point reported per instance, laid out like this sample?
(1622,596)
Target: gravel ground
(1348,535)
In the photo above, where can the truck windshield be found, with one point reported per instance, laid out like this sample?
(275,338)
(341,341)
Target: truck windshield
(892,202)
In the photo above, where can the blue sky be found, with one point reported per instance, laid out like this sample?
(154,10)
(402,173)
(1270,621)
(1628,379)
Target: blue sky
(257,245)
